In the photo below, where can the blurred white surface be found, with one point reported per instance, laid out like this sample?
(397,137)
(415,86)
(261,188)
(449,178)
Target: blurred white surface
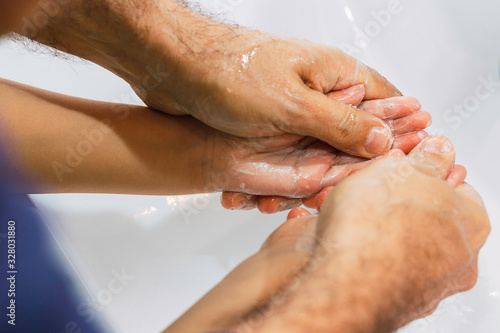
(176,248)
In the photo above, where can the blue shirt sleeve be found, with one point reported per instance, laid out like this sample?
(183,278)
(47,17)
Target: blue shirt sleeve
(36,292)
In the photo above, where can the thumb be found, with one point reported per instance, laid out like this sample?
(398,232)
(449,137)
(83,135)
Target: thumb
(340,125)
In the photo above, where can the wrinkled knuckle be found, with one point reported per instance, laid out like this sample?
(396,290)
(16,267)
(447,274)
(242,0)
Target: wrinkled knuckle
(348,125)
(300,111)
(293,118)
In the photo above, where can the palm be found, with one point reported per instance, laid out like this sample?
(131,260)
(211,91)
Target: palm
(289,166)
(286,165)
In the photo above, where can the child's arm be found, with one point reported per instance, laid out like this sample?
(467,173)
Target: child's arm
(67,144)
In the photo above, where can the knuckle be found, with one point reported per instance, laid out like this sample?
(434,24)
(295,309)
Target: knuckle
(348,124)
(470,280)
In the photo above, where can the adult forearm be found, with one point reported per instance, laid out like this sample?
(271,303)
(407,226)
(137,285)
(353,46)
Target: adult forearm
(150,44)
(238,81)
(345,286)
(349,306)
(66,144)
(97,30)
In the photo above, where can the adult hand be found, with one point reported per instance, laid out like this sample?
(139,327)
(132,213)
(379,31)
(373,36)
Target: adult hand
(394,240)
(190,157)
(401,114)
(240,81)
(252,84)
(389,244)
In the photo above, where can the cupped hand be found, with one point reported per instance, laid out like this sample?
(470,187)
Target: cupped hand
(401,114)
(284,165)
(240,81)
(394,239)
(252,84)
(382,252)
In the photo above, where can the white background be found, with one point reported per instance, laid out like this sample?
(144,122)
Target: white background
(176,248)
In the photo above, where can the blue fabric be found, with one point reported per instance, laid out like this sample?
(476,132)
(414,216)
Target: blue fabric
(44,294)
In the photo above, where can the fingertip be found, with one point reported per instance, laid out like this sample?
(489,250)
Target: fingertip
(276,204)
(297,212)
(321,197)
(343,127)
(428,116)
(394,152)
(309,202)
(414,122)
(391,108)
(436,144)
(408,142)
(435,156)
(238,201)
(457,176)
(462,170)
(352,95)
(317,201)
(412,102)
(379,141)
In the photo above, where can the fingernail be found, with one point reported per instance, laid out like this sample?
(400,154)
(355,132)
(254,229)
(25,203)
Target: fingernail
(422,135)
(378,140)
(436,145)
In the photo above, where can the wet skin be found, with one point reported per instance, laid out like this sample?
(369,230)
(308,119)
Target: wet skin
(328,166)
(357,266)
(239,81)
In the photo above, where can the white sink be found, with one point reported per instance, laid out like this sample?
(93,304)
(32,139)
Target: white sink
(176,248)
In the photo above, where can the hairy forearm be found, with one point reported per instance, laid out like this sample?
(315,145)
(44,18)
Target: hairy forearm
(342,289)
(97,30)
(66,144)
(332,302)
(148,43)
